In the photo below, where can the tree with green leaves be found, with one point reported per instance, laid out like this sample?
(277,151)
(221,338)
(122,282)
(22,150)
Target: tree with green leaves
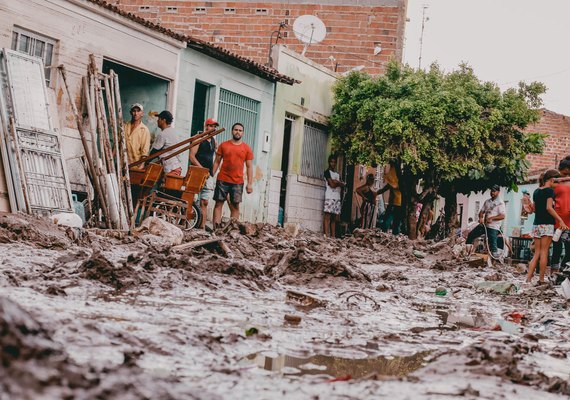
(445,132)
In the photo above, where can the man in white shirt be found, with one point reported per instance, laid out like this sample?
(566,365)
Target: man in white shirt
(166,138)
(490,217)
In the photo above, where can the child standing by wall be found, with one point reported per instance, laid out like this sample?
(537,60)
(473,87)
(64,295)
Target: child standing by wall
(544,220)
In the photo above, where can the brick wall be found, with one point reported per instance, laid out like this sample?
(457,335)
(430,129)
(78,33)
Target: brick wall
(244,27)
(557,126)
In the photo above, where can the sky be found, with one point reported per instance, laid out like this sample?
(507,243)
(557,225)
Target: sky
(504,41)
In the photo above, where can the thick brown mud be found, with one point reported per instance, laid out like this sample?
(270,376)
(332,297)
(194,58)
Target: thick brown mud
(256,312)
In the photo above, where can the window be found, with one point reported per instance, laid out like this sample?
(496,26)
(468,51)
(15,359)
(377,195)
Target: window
(234,108)
(35,45)
(314,154)
(172,10)
(144,9)
(262,11)
(229,10)
(200,10)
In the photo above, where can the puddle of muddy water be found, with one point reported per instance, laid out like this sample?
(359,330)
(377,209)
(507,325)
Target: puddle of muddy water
(338,367)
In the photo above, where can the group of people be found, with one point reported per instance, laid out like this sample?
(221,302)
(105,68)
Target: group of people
(392,216)
(550,204)
(227,160)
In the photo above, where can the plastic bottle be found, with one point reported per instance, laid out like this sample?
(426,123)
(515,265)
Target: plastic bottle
(557,234)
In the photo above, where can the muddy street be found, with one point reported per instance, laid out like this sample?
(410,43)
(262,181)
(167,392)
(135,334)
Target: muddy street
(259,312)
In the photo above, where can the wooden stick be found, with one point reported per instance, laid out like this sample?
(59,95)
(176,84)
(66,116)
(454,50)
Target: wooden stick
(174,146)
(23,178)
(105,134)
(122,139)
(117,172)
(193,144)
(96,185)
(194,244)
(89,204)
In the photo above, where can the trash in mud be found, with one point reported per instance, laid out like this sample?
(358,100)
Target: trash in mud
(498,287)
(292,319)
(303,300)
(339,367)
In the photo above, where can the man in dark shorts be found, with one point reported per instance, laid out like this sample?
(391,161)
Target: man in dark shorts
(232,155)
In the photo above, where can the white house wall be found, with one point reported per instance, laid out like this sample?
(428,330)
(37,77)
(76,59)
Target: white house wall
(310,100)
(196,66)
(80,29)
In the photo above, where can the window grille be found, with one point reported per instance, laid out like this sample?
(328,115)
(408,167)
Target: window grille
(314,154)
(35,45)
(234,108)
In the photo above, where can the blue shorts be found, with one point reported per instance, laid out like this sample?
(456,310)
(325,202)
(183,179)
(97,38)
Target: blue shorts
(223,189)
(208,190)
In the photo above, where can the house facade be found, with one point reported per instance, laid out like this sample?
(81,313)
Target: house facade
(66,32)
(231,89)
(301,141)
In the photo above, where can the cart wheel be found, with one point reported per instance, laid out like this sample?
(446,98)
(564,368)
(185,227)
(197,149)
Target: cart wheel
(197,217)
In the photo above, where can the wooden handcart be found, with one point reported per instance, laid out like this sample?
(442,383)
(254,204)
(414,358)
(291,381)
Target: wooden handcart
(169,196)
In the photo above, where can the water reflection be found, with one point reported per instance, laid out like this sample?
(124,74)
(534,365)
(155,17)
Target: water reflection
(339,367)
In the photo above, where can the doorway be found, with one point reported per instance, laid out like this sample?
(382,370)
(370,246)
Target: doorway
(201,107)
(140,87)
(289,120)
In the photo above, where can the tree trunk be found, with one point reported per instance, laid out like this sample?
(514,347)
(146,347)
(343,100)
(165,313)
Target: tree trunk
(412,222)
(424,214)
(451,222)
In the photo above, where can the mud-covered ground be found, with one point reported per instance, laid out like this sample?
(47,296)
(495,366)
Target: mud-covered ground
(263,314)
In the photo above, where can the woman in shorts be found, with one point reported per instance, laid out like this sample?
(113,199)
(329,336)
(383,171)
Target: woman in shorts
(544,220)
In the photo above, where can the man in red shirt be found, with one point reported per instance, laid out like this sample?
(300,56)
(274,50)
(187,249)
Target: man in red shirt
(232,155)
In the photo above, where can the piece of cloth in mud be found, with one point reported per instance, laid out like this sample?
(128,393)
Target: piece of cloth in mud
(499,287)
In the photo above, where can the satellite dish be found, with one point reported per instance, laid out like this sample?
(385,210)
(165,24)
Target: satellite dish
(309,29)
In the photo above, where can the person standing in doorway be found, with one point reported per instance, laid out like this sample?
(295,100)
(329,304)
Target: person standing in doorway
(137,135)
(332,207)
(166,138)
(203,156)
(232,155)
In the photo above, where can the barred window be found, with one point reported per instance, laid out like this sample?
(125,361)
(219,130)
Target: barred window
(314,154)
(35,45)
(234,108)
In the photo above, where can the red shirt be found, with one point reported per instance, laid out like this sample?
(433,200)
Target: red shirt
(234,157)
(562,202)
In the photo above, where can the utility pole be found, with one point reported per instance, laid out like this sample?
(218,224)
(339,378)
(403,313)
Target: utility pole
(424,20)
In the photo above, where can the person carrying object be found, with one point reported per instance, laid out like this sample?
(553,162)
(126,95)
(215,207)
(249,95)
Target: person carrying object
(203,156)
(166,138)
(490,217)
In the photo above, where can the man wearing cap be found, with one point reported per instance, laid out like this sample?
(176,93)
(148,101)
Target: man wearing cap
(203,156)
(137,135)
(490,217)
(166,138)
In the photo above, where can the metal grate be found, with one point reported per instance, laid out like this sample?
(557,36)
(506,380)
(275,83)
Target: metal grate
(314,155)
(237,108)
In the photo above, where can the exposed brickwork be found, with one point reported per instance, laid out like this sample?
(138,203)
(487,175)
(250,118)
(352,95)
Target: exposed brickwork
(557,127)
(353,30)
